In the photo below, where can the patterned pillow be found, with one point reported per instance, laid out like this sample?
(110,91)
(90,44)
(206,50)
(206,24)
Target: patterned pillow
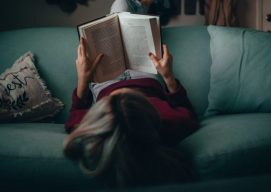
(24,97)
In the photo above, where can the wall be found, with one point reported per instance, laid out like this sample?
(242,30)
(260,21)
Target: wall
(36,13)
(266,9)
(247,13)
(184,19)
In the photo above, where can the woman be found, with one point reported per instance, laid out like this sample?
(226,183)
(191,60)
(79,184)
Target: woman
(127,128)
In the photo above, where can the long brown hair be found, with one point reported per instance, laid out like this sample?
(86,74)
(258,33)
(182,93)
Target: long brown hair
(119,136)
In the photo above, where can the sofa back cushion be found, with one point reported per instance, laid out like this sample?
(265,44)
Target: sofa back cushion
(190,47)
(240,71)
(55,53)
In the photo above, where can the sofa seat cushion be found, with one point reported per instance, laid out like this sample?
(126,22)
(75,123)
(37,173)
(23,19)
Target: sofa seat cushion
(31,156)
(231,145)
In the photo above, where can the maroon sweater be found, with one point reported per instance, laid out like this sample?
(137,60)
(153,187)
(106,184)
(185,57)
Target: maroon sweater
(174,108)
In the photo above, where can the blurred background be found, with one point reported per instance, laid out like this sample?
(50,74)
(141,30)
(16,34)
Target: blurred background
(16,14)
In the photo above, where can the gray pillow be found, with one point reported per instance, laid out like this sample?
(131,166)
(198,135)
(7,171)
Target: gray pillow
(24,97)
(240,72)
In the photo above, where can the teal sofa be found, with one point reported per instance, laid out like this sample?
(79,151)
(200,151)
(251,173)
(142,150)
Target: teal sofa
(225,145)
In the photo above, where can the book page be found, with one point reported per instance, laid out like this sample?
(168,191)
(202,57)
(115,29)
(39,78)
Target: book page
(141,35)
(104,37)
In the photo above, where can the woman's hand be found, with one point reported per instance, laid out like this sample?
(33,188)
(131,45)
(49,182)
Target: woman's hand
(164,67)
(85,68)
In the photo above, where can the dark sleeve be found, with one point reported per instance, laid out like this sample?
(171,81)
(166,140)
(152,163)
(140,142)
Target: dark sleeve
(179,120)
(78,110)
(179,98)
(177,125)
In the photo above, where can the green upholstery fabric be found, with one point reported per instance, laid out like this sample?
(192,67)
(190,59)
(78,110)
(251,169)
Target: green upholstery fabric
(240,71)
(191,61)
(55,51)
(231,145)
(32,155)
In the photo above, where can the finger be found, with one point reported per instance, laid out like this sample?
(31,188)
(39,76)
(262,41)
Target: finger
(83,46)
(97,60)
(79,50)
(165,51)
(154,59)
(86,47)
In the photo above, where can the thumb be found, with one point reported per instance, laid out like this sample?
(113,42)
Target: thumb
(154,59)
(97,60)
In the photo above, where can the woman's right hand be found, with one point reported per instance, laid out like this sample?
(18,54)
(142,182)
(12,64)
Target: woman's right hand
(164,67)
(85,68)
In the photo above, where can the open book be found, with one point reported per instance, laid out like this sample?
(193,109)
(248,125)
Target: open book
(125,40)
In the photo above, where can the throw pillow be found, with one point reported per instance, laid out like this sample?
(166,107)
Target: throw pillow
(240,72)
(23,95)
